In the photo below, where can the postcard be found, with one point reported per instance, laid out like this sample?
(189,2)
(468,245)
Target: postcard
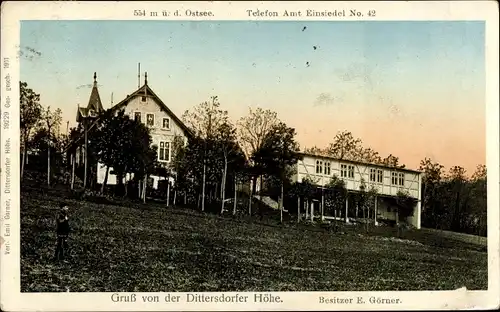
(237,156)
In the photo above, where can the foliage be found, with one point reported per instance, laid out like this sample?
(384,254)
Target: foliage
(123,144)
(335,196)
(30,113)
(253,128)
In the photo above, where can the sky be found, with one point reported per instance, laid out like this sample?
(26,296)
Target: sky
(410,89)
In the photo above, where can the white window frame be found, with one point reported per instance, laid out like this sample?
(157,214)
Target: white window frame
(343,171)
(328,170)
(163,123)
(154,119)
(394,178)
(373,175)
(350,171)
(319,166)
(169,149)
(401,179)
(380,176)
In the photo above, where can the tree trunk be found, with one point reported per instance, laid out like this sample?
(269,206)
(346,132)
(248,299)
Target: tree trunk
(250,196)
(223,186)
(235,195)
(260,188)
(307,208)
(73,171)
(298,209)
(126,186)
(281,203)
(185,198)
(23,161)
(48,165)
(144,189)
(105,180)
(175,196)
(203,187)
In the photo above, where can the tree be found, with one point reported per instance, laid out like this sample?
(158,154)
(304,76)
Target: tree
(345,146)
(252,131)
(30,117)
(335,195)
(431,179)
(51,122)
(278,152)
(225,143)
(203,121)
(365,199)
(125,145)
(458,179)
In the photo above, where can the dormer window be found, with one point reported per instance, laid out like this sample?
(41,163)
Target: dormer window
(143,98)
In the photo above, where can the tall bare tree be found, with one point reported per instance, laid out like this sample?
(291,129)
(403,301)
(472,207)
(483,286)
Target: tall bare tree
(252,131)
(203,120)
(52,122)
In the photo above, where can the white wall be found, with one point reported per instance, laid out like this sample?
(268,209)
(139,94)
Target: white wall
(307,168)
(158,133)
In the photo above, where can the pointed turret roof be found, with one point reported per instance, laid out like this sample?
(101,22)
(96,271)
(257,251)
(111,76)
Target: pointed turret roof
(95,100)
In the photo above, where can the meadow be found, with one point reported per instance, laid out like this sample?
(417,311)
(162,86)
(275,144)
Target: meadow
(136,247)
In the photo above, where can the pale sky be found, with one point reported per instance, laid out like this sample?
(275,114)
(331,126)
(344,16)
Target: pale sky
(411,89)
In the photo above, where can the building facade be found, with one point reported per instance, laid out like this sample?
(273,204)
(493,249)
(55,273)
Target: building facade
(145,106)
(387,181)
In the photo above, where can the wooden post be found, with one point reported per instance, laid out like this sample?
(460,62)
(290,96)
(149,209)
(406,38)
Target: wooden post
(312,211)
(347,209)
(73,159)
(375,212)
(145,186)
(86,156)
(307,209)
(168,193)
(322,203)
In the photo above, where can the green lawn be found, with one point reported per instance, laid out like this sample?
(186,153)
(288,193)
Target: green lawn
(137,247)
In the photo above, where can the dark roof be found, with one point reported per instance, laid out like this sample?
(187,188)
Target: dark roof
(146,90)
(95,100)
(360,163)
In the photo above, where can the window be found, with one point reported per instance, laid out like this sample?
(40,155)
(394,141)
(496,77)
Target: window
(166,123)
(164,151)
(137,116)
(143,98)
(319,166)
(343,171)
(401,179)
(373,175)
(398,178)
(327,168)
(380,176)
(394,178)
(376,175)
(150,120)
(350,171)
(347,171)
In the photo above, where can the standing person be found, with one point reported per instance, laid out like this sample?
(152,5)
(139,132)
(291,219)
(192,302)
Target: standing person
(62,232)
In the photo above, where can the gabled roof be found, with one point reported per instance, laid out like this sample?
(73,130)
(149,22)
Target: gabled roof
(146,90)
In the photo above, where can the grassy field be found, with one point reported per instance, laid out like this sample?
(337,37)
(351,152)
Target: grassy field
(137,247)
